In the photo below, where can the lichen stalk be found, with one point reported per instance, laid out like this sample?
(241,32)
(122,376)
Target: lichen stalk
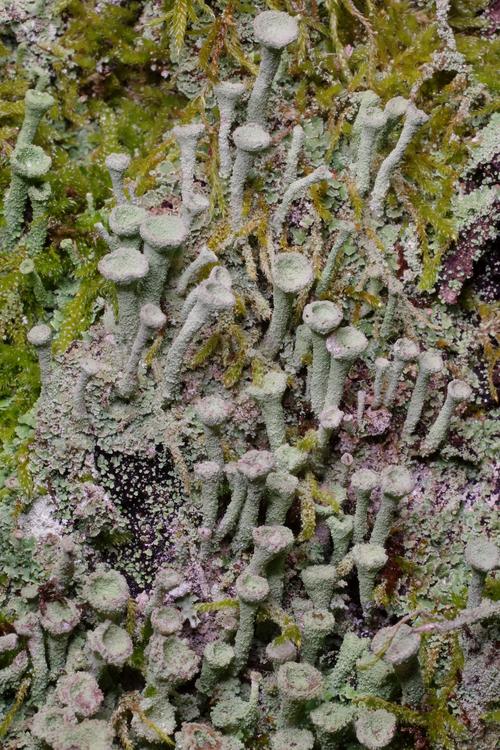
(151,320)
(238,494)
(227,94)
(414,119)
(457,392)
(346,229)
(117,164)
(210,299)
(294,191)
(430,363)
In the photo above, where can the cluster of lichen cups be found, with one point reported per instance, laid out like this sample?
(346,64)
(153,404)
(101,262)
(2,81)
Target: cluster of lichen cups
(309,708)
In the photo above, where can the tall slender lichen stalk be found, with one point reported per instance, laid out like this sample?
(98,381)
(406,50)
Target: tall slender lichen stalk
(269,396)
(274,30)
(151,320)
(294,191)
(429,363)
(250,140)
(211,298)
(227,94)
(292,273)
(458,391)
(414,119)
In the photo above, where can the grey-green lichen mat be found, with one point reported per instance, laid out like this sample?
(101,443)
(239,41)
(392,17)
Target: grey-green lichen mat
(253,502)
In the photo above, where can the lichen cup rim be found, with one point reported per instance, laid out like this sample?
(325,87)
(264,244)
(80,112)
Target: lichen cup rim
(346,343)
(164,231)
(300,680)
(275,537)
(292,272)
(322,316)
(251,588)
(369,556)
(126,218)
(31,162)
(275,29)
(123,266)
(255,464)
(39,100)
(251,137)
(40,335)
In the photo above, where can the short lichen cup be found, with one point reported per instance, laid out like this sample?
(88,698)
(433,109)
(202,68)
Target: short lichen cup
(292,272)
(483,556)
(80,692)
(319,582)
(213,412)
(36,104)
(429,363)
(30,162)
(345,345)
(117,164)
(396,483)
(322,318)
(269,395)
(332,722)
(211,298)
(163,235)
(292,739)
(458,391)
(109,644)
(400,646)
(252,591)
(125,221)
(254,466)
(273,30)
(404,351)
(375,729)
(125,267)
(317,625)
(280,492)
(298,683)
(107,592)
(227,94)
(369,560)
(40,337)
(250,140)
(271,547)
(363,482)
